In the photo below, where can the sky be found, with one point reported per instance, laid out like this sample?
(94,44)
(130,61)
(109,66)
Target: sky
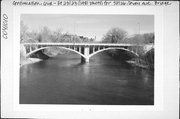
(90,26)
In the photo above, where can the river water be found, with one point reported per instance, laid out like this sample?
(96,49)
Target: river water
(103,81)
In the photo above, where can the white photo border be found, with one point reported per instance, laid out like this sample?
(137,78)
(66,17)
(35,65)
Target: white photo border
(164,106)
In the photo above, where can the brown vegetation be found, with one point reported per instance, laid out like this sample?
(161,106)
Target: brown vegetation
(117,35)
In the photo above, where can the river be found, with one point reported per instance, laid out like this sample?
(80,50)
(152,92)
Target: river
(103,81)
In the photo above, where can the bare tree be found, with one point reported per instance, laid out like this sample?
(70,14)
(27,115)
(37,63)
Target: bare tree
(23,31)
(114,35)
(57,35)
(45,34)
(149,38)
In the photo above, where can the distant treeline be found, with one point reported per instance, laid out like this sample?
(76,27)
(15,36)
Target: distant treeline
(117,35)
(114,35)
(46,35)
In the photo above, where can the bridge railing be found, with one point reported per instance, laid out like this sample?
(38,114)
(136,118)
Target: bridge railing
(85,44)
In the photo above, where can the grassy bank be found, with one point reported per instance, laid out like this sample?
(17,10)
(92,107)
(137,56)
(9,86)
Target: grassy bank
(145,61)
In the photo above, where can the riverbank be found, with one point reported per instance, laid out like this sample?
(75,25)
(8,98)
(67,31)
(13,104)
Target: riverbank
(36,57)
(137,64)
(29,61)
(39,56)
(145,61)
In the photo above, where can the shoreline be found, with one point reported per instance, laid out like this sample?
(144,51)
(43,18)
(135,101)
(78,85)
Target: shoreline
(136,64)
(29,61)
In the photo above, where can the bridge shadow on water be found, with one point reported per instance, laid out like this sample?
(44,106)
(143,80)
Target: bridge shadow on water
(103,81)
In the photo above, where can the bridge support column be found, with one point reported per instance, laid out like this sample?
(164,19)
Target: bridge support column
(30,49)
(86,53)
(80,49)
(84,60)
(93,49)
(98,47)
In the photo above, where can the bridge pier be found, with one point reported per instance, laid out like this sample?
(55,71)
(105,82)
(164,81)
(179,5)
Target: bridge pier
(84,60)
(86,54)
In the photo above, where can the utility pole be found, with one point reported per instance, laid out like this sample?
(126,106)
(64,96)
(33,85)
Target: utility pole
(139,27)
(74,33)
(74,27)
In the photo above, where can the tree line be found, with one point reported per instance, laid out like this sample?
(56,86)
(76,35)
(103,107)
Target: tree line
(118,35)
(114,35)
(47,35)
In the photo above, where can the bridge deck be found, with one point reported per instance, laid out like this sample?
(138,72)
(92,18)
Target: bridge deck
(85,44)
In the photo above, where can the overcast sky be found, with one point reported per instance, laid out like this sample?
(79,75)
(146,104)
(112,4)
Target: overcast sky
(90,25)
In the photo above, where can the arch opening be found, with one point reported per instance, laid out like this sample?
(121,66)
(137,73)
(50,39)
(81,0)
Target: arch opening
(34,51)
(106,49)
(150,50)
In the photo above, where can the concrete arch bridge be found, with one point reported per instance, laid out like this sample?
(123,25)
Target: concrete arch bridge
(86,50)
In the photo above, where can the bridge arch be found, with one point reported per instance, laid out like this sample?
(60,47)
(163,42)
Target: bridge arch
(151,49)
(111,49)
(34,51)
